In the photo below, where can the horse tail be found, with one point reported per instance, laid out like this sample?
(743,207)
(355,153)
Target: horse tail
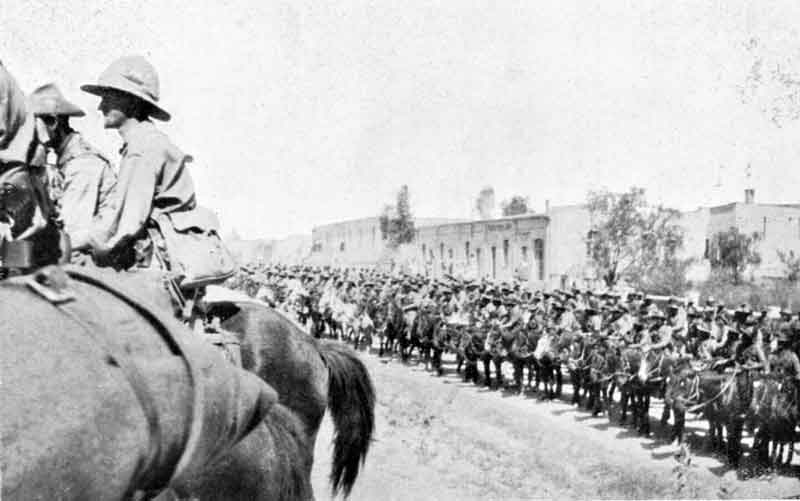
(351,401)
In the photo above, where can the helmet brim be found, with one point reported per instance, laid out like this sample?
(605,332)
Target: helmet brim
(103,90)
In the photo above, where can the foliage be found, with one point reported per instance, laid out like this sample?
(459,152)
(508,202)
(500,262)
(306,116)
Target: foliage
(632,240)
(668,279)
(731,252)
(396,221)
(792,263)
(484,204)
(515,206)
(758,295)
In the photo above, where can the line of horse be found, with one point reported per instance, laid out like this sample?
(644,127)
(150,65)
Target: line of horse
(605,376)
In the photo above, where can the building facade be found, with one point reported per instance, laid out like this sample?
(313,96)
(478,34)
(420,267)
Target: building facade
(544,250)
(550,250)
(776,227)
(354,243)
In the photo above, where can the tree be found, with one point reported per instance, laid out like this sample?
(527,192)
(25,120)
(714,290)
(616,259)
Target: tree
(396,221)
(515,206)
(731,252)
(773,82)
(484,204)
(792,263)
(632,240)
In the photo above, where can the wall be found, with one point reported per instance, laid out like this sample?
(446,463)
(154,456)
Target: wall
(567,249)
(778,227)
(358,242)
(695,226)
(500,249)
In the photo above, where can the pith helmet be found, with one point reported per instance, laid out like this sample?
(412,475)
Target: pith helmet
(132,75)
(48,100)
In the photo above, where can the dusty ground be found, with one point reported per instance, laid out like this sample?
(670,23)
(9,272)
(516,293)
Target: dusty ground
(438,438)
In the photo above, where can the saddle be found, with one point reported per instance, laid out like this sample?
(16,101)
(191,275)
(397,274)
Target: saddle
(226,402)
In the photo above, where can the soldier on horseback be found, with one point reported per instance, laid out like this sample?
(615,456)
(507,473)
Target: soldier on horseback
(81,180)
(152,173)
(155,222)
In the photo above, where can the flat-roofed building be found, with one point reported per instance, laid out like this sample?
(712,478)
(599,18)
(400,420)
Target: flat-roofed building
(354,243)
(545,250)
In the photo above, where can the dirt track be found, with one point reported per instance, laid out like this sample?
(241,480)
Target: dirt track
(438,438)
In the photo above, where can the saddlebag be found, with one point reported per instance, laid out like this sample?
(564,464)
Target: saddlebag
(196,255)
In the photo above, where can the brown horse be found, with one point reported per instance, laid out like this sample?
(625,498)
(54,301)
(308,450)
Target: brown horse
(310,375)
(774,411)
(127,402)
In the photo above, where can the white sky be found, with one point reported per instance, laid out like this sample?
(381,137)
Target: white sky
(306,112)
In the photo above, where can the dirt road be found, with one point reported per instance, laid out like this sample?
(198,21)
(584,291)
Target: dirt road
(438,438)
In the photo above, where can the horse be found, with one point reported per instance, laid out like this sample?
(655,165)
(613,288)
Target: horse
(365,331)
(577,356)
(651,377)
(546,358)
(310,375)
(736,401)
(626,380)
(595,380)
(774,410)
(128,403)
(493,355)
(520,353)
(439,342)
(395,327)
(429,328)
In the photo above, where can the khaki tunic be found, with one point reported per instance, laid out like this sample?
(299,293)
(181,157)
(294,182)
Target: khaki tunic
(153,178)
(87,186)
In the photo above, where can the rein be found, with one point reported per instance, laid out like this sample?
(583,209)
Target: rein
(725,388)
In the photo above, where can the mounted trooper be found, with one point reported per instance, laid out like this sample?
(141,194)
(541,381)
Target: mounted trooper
(155,222)
(152,173)
(81,179)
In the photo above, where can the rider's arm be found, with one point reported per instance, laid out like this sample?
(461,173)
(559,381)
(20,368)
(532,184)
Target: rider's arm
(85,178)
(134,197)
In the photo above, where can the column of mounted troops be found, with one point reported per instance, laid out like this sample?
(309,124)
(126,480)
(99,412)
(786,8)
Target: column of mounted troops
(737,367)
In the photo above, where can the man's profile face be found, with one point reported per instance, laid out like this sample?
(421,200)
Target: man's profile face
(112,106)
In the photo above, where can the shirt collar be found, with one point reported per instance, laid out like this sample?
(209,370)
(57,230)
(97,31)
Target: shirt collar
(131,128)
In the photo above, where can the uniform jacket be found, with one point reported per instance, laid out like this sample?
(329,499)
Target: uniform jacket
(153,177)
(87,187)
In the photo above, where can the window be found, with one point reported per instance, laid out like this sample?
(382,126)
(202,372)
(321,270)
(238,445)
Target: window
(341,247)
(525,253)
(450,254)
(538,252)
(764,231)
(505,253)
(590,242)
(441,251)
(707,250)
(373,235)
(424,252)
(466,252)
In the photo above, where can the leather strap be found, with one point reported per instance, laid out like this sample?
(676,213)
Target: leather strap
(166,326)
(50,283)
